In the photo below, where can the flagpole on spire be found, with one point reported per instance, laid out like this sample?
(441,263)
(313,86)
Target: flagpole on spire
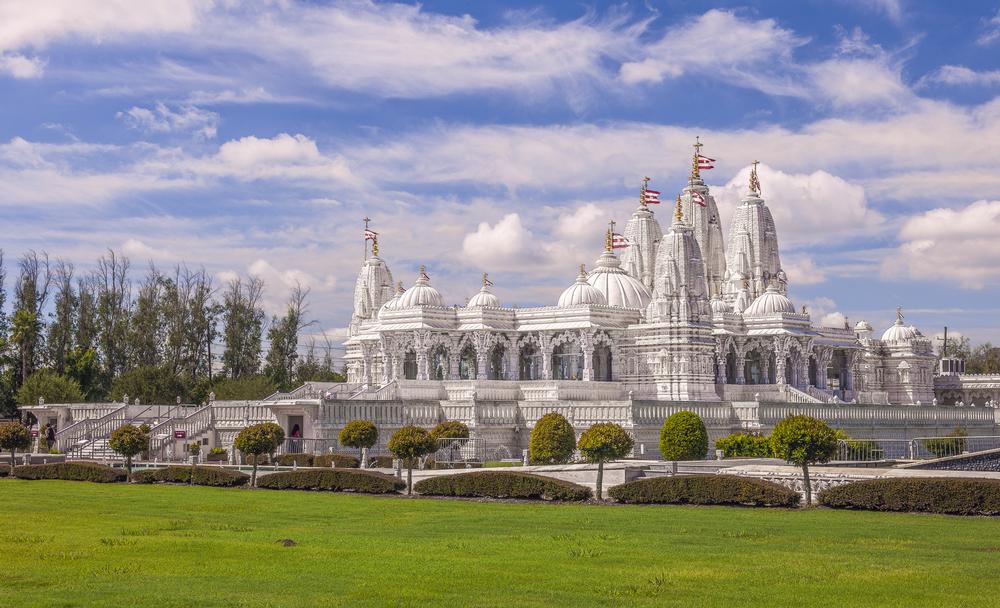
(642,192)
(694,161)
(366,220)
(754,180)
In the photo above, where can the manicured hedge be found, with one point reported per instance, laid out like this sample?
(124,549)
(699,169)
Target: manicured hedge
(340,461)
(705,490)
(72,471)
(4,470)
(744,445)
(921,494)
(332,480)
(203,476)
(302,460)
(501,484)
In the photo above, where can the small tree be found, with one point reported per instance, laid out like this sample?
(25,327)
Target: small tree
(257,439)
(552,440)
(359,434)
(14,436)
(804,440)
(683,437)
(604,442)
(128,440)
(450,429)
(408,444)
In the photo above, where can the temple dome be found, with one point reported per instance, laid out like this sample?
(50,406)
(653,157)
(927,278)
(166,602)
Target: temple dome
(899,331)
(618,287)
(581,292)
(719,306)
(485,298)
(769,303)
(421,294)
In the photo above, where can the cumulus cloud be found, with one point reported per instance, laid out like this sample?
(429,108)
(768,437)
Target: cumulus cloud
(161,119)
(504,245)
(21,66)
(955,245)
(802,270)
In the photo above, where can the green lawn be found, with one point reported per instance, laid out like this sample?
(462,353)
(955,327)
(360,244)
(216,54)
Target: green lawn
(82,544)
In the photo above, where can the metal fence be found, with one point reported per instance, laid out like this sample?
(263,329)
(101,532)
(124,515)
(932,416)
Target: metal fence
(920,448)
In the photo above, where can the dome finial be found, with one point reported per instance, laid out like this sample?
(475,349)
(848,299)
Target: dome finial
(486,280)
(375,246)
(583,270)
(754,181)
(899,315)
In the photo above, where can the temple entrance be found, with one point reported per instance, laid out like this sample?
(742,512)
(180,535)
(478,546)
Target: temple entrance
(567,362)
(731,367)
(467,365)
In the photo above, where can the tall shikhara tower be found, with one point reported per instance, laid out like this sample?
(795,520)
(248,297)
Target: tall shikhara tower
(702,214)
(753,262)
(643,234)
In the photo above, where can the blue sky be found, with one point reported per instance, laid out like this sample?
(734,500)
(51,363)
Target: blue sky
(501,137)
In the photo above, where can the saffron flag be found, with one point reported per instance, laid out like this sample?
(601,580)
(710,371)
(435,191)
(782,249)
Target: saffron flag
(618,241)
(652,197)
(698,198)
(370,235)
(705,162)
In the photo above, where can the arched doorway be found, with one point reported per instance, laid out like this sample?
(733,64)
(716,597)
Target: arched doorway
(812,371)
(529,362)
(602,363)
(754,371)
(789,369)
(731,366)
(497,369)
(438,363)
(567,362)
(467,363)
(410,365)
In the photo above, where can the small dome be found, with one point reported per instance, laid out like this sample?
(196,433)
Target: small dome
(719,306)
(863,327)
(393,302)
(769,303)
(485,298)
(421,294)
(898,331)
(618,287)
(581,292)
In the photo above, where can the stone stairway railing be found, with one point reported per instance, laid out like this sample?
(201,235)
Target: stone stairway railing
(74,436)
(794,395)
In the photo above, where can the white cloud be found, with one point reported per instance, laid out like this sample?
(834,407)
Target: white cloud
(502,246)
(858,82)
(21,66)
(802,270)
(960,75)
(161,119)
(833,319)
(955,245)
(992,30)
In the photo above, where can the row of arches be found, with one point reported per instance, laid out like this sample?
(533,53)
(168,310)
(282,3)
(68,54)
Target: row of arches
(759,366)
(566,362)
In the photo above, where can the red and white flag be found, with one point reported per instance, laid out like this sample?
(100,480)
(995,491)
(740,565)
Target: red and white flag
(698,198)
(652,197)
(618,241)
(705,162)
(370,235)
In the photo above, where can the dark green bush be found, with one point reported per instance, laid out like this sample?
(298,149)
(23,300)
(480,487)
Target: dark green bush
(339,461)
(380,462)
(72,471)
(921,494)
(502,484)
(332,480)
(744,445)
(705,490)
(4,470)
(552,440)
(683,437)
(302,460)
(203,476)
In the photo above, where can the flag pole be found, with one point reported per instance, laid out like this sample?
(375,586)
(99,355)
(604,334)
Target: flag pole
(366,220)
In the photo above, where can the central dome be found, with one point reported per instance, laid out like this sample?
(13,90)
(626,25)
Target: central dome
(770,302)
(421,294)
(899,331)
(581,292)
(618,287)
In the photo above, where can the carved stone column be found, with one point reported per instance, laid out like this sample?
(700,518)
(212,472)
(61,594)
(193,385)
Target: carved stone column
(587,347)
(546,349)
(740,363)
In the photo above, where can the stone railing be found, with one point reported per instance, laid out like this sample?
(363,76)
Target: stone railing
(90,411)
(88,430)
(196,423)
(794,395)
(237,414)
(485,390)
(495,414)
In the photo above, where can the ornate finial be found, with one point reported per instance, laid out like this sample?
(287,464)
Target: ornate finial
(366,220)
(486,280)
(694,161)
(375,247)
(583,270)
(754,181)
(609,239)
(642,192)
(423,273)
(678,212)
(899,315)
(399,287)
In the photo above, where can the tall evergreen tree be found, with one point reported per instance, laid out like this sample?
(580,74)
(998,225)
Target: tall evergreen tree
(244,322)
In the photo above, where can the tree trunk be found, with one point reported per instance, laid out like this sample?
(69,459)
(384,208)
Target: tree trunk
(600,478)
(805,478)
(253,475)
(12,451)
(128,468)
(409,478)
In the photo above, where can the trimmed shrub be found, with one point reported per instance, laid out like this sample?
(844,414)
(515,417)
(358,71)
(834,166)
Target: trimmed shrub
(359,434)
(408,444)
(14,436)
(802,441)
(71,471)
(604,442)
(450,429)
(502,484)
(380,462)
(948,496)
(203,476)
(299,459)
(705,490)
(744,445)
(683,437)
(258,439)
(338,461)
(552,440)
(4,470)
(332,480)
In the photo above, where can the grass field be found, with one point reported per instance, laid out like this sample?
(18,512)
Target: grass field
(81,544)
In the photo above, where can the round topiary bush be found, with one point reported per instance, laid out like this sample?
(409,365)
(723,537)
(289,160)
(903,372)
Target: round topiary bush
(359,434)
(552,440)
(683,437)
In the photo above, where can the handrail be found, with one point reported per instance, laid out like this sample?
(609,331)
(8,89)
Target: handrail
(86,429)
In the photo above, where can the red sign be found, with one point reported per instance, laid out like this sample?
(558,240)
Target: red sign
(180,434)
(34,432)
